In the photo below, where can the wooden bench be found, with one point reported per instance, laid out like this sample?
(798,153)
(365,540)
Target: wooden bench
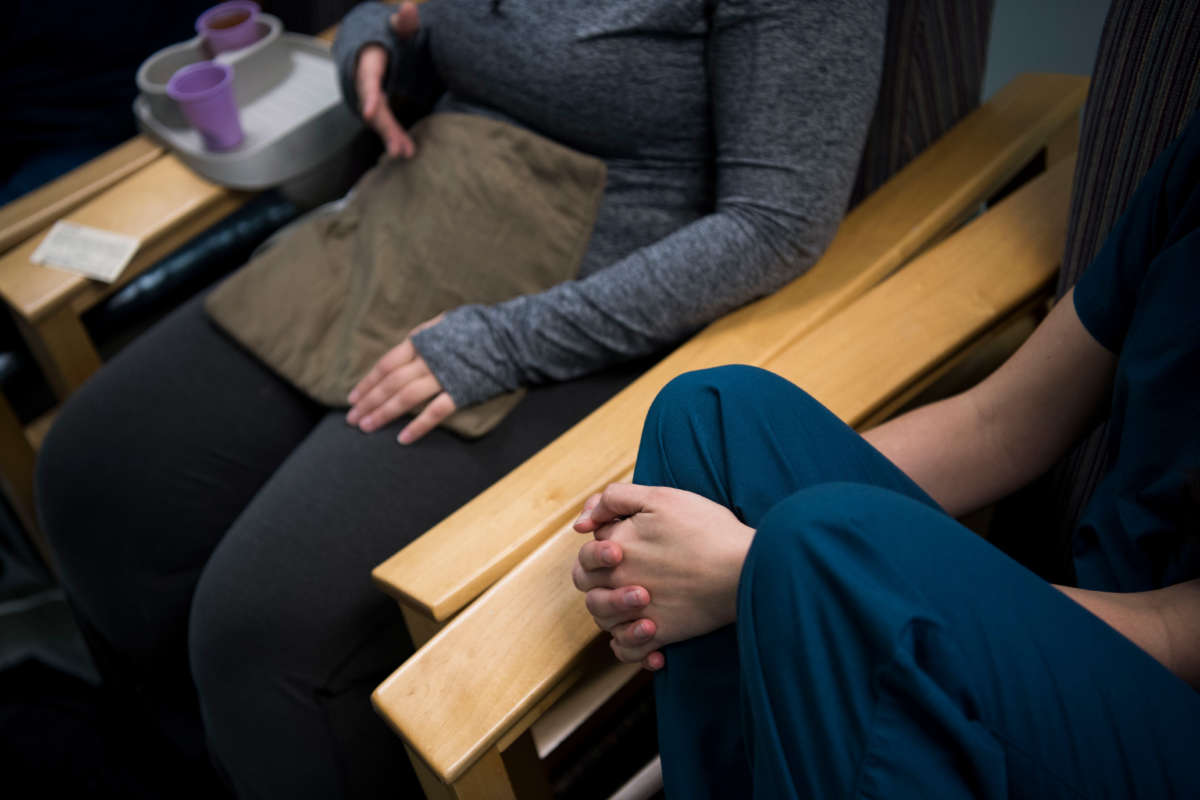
(1002,137)
(467,700)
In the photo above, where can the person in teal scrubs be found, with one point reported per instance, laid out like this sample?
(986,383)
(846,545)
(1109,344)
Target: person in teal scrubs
(821,626)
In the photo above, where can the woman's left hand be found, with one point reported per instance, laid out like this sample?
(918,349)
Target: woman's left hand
(399,382)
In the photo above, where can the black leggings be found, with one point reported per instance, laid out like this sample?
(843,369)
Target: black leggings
(217,528)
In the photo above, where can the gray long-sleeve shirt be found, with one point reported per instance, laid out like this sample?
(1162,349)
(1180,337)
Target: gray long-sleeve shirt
(731,130)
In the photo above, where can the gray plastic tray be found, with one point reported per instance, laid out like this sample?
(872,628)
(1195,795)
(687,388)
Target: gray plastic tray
(288,98)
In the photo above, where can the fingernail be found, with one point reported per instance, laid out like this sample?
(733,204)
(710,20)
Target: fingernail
(643,630)
(583,516)
(367,424)
(405,437)
(352,418)
(608,556)
(353,397)
(633,598)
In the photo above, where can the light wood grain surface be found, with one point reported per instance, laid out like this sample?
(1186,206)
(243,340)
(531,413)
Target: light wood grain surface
(30,213)
(451,564)
(62,349)
(148,205)
(455,699)
(938,304)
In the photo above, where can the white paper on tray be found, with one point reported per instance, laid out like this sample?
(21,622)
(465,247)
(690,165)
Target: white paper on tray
(96,253)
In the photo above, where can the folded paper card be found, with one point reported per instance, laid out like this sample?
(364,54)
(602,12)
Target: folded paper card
(91,252)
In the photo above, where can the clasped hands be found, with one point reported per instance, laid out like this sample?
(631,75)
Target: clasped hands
(399,382)
(663,567)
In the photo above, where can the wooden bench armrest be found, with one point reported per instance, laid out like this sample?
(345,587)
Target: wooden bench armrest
(447,567)
(32,212)
(159,203)
(479,682)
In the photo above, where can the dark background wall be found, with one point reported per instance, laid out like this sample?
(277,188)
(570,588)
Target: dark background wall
(1042,36)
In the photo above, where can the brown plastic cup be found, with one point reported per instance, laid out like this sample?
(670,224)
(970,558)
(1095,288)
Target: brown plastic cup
(229,26)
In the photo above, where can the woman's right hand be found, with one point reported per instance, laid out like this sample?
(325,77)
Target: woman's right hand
(368,79)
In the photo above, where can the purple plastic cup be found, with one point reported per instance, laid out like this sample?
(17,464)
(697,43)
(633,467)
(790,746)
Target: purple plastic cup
(204,92)
(229,26)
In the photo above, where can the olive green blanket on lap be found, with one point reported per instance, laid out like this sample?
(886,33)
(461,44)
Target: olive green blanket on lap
(483,213)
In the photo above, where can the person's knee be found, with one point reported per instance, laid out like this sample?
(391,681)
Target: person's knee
(706,391)
(703,398)
(687,420)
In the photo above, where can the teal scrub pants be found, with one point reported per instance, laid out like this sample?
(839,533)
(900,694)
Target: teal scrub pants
(882,650)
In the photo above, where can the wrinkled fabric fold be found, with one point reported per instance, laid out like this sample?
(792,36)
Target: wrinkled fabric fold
(484,213)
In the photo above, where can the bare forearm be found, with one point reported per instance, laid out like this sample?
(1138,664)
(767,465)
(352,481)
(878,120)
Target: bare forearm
(1165,623)
(1179,606)
(976,447)
(944,448)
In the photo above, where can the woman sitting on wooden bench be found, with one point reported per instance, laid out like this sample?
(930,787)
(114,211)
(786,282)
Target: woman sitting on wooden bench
(217,524)
(880,648)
